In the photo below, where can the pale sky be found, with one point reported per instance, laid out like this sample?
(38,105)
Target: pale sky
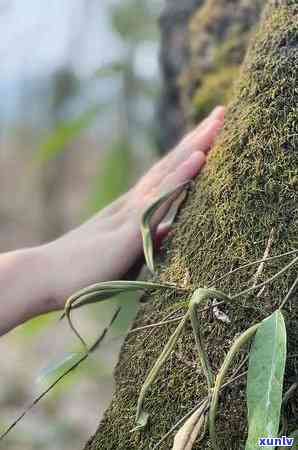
(38,36)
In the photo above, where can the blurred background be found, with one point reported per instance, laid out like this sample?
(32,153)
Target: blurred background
(78,86)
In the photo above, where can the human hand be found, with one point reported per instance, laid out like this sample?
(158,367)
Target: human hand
(107,246)
(38,280)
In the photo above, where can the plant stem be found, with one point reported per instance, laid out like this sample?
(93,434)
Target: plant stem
(220,377)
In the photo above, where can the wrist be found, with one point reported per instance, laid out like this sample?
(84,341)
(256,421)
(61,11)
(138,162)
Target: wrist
(25,287)
(39,261)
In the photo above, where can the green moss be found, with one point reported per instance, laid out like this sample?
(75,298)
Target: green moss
(219,33)
(248,188)
(215,89)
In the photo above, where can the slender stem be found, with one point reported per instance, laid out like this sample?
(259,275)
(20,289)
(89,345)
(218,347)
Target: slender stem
(102,291)
(84,356)
(292,288)
(289,393)
(157,324)
(157,366)
(193,410)
(220,377)
(278,274)
(271,258)
(177,424)
(200,295)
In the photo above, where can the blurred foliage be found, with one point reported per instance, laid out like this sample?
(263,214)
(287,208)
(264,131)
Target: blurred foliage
(134,21)
(114,175)
(64,133)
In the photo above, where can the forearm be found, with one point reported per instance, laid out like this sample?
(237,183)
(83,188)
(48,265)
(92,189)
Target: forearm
(38,280)
(24,286)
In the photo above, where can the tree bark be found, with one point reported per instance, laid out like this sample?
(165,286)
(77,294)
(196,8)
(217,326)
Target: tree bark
(247,193)
(174,56)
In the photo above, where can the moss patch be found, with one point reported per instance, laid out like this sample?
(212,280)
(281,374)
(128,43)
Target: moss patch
(248,187)
(219,33)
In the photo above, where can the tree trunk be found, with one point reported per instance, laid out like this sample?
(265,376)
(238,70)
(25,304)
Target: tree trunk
(174,56)
(247,193)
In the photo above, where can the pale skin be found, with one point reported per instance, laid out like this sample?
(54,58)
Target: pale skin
(38,280)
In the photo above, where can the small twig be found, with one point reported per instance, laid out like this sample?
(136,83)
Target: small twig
(154,325)
(289,393)
(180,422)
(200,295)
(240,366)
(220,377)
(156,368)
(193,410)
(232,380)
(271,258)
(290,292)
(265,257)
(176,319)
(188,433)
(93,347)
(278,274)
(151,332)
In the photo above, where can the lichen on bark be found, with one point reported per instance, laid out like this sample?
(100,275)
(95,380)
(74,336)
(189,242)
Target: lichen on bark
(248,188)
(219,33)
(174,57)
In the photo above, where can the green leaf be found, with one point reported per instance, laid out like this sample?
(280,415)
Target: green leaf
(59,366)
(265,379)
(102,291)
(111,69)
(134,21)
(142,421)
(145,224)
(113,177)
(66,131)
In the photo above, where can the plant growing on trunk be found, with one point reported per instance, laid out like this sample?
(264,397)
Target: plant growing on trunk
(243,206)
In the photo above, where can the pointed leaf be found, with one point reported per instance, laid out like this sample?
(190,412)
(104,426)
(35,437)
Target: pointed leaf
(65,132)
(102,291)
(142,421)
(145,224)
(265,380)
(56,367)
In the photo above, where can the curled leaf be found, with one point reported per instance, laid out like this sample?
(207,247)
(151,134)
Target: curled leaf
(145,224)
(240,341)
(265,380)
(75,363)
(193,428)
(142,421)
(102,291)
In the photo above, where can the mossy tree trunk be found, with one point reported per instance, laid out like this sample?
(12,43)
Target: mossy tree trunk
(247,193)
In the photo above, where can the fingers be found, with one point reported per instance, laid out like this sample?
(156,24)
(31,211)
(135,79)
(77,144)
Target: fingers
(181,165)
(187,170)
(198,140)
(216,114)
